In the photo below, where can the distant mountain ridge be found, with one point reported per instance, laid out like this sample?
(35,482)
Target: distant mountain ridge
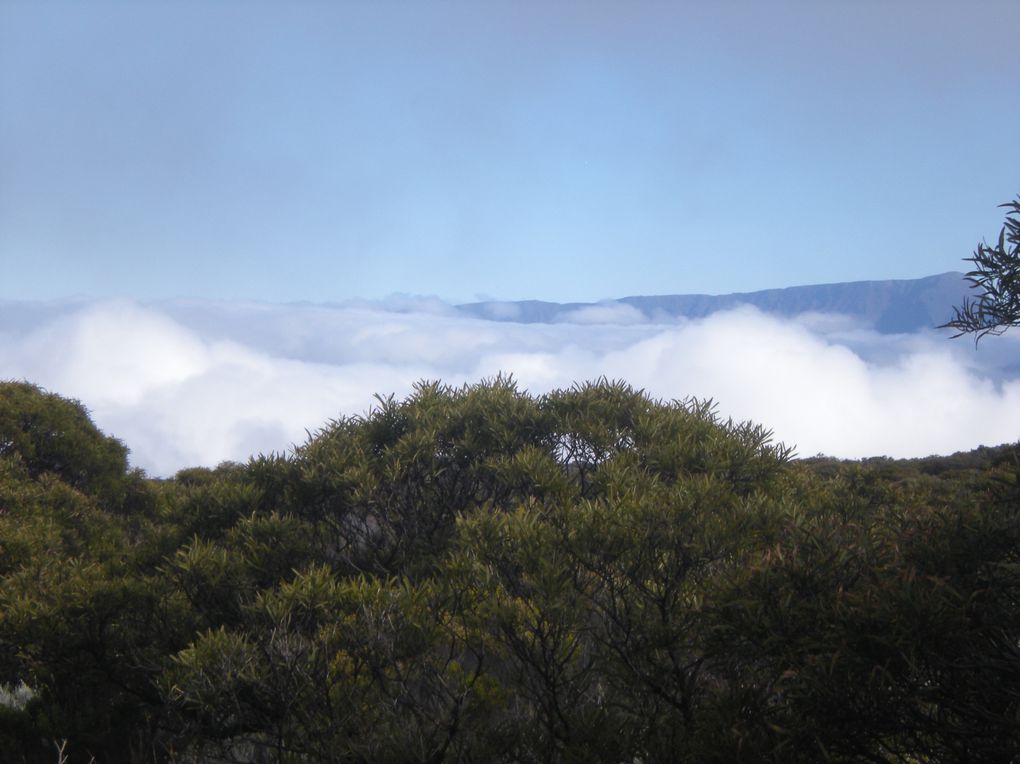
(891,306)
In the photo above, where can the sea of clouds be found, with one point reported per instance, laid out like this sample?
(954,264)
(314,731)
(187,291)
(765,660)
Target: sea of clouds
(187,383)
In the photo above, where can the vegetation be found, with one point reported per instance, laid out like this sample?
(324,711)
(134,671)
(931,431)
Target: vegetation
(483,575)
(996,275)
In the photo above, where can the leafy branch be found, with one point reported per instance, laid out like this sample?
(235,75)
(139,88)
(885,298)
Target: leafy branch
(997,277)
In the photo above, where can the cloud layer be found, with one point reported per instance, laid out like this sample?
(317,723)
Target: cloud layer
(188,383)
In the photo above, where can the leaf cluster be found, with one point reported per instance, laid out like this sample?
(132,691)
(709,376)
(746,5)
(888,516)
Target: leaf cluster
(996,275)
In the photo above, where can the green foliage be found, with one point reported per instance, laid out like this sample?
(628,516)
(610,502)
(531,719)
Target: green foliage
(997,275)
(53,434)
(477,574)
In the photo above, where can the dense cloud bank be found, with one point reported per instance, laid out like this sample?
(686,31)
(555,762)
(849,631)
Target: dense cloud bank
(187,383)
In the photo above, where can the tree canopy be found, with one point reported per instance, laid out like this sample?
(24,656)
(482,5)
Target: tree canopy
(478,574)
(49,433)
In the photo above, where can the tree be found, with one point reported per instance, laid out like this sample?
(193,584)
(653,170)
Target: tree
(997,276)
(50,433)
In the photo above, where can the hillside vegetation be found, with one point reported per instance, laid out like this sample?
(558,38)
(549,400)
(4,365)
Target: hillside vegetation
(482,575)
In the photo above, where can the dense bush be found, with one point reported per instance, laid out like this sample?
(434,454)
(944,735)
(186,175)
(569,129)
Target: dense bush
(478,574)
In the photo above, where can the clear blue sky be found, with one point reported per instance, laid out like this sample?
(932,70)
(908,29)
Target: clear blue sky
(559,150)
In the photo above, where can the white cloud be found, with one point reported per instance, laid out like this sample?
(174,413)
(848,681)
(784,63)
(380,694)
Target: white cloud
(502,311)
(603,313)
(190,383)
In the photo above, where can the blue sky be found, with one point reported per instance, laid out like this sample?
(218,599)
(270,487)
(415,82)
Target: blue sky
(223,223)
(567,151)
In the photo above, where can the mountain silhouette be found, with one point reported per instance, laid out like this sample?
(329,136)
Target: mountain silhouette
(891,306)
